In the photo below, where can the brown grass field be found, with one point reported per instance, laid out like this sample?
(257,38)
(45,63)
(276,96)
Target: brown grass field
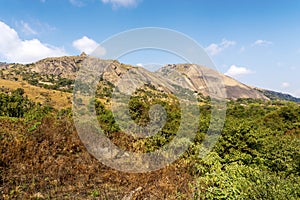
(54,98)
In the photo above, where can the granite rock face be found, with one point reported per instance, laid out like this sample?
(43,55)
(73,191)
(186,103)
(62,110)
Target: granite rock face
(198,79)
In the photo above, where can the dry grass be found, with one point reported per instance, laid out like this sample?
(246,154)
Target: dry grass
(52,163)
(57,99)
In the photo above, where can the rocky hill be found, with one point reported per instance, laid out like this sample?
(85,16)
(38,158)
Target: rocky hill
(278,95)
(190,79)
(60,73)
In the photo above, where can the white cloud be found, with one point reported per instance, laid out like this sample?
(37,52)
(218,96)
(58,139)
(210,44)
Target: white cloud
(14,49)
(121,3)
(296,93)
(140,65)
(262,43)
(235,71)
(214,49)
(285,85)
(27,29)
(86,45)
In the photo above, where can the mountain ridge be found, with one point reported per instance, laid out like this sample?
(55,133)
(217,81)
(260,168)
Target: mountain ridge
(47,72)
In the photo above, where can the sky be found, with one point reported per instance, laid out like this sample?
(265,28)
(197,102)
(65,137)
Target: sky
(254,41)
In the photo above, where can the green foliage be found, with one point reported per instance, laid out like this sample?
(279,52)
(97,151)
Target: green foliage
(139,106)
(34,126)
(236,181)
(105,117)
(95,193)
(37,113)
(256,157)
(14,104)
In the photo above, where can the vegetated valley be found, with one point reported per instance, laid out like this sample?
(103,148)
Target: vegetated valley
(256,157)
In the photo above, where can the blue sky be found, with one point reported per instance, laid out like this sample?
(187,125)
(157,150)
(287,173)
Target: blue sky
(255,41)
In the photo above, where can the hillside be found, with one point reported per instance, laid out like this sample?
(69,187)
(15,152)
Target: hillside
(192,81)
(278,95)
(256,156)
(59,74)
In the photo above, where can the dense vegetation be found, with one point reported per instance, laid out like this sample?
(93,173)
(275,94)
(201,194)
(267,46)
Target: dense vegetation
(14,105)
(256,157)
